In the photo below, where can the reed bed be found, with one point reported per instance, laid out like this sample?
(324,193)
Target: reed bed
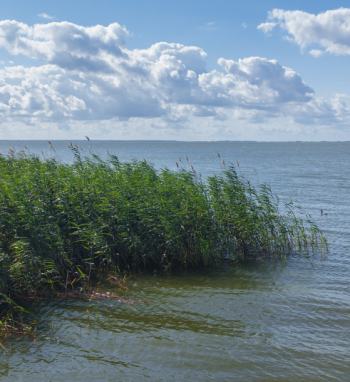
(63,225)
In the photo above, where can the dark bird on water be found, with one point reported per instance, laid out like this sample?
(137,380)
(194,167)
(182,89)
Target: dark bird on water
(323,213)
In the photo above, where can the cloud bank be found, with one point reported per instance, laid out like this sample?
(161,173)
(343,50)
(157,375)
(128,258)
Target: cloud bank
(89,75)
(329,30)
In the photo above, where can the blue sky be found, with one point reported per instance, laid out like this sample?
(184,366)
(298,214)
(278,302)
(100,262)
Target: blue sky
(125,89)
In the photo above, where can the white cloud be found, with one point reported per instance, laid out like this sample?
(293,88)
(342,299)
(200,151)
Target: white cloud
(330,29)
(316,52)
(266,27)
(91,76)
(65,44)
(265,82)
(45,16)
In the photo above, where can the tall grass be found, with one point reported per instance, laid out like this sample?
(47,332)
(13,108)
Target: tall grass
(60,222)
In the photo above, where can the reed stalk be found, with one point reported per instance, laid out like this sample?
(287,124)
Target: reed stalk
(61,222)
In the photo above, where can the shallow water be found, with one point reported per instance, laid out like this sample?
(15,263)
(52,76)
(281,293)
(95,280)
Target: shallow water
(263,320)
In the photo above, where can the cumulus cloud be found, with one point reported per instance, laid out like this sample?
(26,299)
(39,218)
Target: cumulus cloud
(90,75)
(65,44)
(330,29)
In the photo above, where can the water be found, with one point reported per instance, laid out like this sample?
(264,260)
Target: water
(261,321)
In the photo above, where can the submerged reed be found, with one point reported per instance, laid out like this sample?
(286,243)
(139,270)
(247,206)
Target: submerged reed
(63,224)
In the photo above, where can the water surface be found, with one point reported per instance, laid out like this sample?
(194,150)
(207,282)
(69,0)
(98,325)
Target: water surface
(260,321)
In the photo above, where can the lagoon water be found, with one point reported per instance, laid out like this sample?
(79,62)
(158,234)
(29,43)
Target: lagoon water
(259,321)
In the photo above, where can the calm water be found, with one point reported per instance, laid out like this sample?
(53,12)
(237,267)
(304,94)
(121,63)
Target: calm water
(263,321)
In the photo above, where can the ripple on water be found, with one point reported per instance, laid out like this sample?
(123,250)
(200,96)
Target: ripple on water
(262,321)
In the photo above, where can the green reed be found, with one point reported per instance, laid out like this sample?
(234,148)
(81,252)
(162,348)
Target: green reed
(64,224)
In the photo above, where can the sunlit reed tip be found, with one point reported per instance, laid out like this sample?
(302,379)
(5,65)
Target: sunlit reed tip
(186,158)
(218,154)
(176,164)
(223,162)
(87,138)
(237,162)
(179,159)
(192,168)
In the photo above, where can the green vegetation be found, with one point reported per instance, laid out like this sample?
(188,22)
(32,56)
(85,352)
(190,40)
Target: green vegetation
(63,224)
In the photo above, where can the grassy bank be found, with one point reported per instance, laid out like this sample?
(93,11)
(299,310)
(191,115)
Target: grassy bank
(61,225)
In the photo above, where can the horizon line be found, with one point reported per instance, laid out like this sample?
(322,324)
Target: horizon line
(164,140)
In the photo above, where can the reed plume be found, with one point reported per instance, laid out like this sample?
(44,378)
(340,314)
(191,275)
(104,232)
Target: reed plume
(92,216)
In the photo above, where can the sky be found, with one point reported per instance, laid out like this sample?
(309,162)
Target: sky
(166,70)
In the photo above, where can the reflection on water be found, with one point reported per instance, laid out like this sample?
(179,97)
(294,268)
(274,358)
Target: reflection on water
(262,320)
